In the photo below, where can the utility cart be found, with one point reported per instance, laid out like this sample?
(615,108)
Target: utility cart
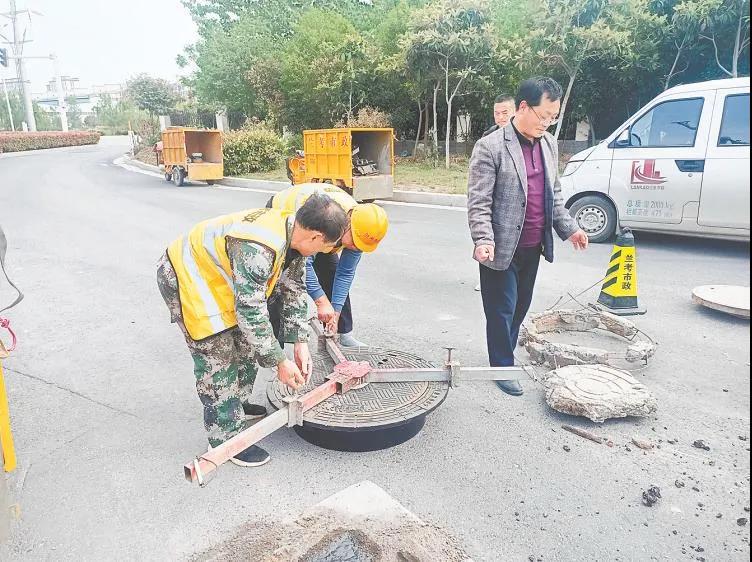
(359,160)
(191,154)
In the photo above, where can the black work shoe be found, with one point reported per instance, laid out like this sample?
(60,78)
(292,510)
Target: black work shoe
(252,456)
(513,388)
(254,411)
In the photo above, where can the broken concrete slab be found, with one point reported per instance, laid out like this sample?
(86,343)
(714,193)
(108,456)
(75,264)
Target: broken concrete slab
(362,523)
(639,348)
(598,392)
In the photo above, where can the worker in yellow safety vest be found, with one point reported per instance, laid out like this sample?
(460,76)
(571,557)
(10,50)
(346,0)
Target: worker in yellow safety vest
(224,283)
(330,275)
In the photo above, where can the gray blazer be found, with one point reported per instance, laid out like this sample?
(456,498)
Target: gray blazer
(497,196)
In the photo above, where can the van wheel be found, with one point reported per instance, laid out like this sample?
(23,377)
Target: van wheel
(596,216)
(168,176)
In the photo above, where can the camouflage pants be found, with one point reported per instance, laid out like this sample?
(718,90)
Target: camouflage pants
(223,364)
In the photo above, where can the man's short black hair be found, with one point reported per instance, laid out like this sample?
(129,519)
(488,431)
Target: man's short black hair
(533,89)
(503,98)
(321,214)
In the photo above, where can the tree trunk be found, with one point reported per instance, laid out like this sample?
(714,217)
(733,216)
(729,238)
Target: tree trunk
(436,119)
(427,124)
(448,130)
(420,126)
(592,140)
(737,50)
(564,103)
(679,51)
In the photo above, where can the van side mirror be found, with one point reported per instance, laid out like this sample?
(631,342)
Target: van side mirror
(623,140)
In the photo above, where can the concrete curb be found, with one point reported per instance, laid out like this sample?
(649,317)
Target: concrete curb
(414,197)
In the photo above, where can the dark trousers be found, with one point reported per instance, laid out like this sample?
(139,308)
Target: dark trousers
(325,266)
(506,300)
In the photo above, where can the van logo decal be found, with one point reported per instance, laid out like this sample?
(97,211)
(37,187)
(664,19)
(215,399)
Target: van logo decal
(644,173)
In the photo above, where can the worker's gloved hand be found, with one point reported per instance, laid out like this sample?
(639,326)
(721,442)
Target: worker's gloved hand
(303,359)
(289,374)
(332,327)
(325,310)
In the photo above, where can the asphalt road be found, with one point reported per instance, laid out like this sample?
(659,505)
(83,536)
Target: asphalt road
(105,412)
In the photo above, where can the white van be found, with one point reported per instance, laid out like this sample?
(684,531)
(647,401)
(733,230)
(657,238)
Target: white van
(680,165)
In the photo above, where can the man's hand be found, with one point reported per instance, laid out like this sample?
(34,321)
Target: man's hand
(303,359)
(484,252)
(331,327)
(579,240)
(324,309)
(289,374)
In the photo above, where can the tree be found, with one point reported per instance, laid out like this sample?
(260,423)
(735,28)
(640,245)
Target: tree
(74,113)
(453,40)
(153,95)
(689,19)
(228,60)
(327,71)
(729,16)
(570,33)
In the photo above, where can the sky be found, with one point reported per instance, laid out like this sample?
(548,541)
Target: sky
(104,41)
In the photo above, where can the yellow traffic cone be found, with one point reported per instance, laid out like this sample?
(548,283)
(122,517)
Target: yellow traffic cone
(619,291)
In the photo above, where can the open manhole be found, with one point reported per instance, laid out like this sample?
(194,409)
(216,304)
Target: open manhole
(343,546)
(373,417)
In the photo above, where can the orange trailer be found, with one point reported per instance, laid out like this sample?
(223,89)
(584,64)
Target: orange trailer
(192,154)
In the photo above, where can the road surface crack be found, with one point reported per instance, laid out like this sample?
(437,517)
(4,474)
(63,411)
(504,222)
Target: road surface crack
(73,392)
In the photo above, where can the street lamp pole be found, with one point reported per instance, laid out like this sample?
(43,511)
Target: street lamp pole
(62,109)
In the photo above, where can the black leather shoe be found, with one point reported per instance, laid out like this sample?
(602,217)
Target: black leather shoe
(254,411)
(513,388)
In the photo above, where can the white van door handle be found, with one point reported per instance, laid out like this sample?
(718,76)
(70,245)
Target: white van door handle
(691,165)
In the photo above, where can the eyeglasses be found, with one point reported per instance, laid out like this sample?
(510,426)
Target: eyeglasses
(549,122)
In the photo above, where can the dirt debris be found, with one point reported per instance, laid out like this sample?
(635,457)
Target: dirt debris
(328,536)
(651,496)
(700,444)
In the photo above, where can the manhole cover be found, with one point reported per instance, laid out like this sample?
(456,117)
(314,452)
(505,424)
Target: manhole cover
(597,392)
(373,417)
(730,299)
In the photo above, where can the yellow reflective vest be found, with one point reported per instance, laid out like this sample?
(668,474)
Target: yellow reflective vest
(203,268)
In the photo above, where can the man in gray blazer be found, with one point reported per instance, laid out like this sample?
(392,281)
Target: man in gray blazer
(514,205)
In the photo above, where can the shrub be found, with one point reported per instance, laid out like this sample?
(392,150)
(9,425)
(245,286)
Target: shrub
(252,150)
(19,142)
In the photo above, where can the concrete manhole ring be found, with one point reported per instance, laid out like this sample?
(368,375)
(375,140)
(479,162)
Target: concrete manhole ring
(597,392)
(371,417)
(639,347)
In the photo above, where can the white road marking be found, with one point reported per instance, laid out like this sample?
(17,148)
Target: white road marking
(121,162)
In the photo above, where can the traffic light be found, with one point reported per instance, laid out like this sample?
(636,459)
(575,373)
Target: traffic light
(3,57)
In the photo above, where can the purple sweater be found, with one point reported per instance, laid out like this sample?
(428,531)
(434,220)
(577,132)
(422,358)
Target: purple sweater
(535,213)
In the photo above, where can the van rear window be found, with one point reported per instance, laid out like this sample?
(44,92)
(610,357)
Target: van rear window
(735,124)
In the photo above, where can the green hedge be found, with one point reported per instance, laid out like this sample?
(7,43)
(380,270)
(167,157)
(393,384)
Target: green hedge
(18,142)
(252,150)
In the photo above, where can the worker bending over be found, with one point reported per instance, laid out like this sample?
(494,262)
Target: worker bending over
(330,274)
(220,283)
